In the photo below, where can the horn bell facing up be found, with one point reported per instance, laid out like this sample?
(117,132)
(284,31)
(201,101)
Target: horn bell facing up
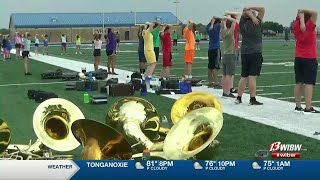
(5,136)
(100,141)
(193,133)
(190,102)
(150,123)
(52,122)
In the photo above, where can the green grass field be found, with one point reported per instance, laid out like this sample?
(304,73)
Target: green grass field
(239,138)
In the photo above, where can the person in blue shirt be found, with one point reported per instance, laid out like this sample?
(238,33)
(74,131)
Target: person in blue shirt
(214,54)
(45,44)
(9,47)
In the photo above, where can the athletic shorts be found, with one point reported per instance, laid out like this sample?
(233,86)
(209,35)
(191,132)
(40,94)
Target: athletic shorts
(150,56)
(167,59)
(25,54)
(157,51)
(111,53)
(64,44)
(142,57)
(118,40)
(228,64)
(17,45)
(197,41)
(78,43)
(97,52)
(306,70)
(175,42)
(5,50)
(251,64)
(36,45)
(214,57)
(286,37)
(189,56)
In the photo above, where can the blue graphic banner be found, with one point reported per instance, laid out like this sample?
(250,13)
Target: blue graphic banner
(158,169)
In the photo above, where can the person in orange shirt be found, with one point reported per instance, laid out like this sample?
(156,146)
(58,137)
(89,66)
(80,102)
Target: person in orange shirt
(189,52)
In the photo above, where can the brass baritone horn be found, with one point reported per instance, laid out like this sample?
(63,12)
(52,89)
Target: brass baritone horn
(190,102)
(52,122)
(100,141)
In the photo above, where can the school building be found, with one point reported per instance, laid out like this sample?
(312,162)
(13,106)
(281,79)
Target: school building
(85,24)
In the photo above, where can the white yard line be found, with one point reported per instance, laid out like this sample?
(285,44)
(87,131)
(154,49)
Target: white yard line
(283,98)
(27,84)
(276,113)
(268,94)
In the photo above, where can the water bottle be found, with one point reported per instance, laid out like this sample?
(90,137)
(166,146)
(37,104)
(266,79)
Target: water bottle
(165,122)
(86,98)
(90,77)
(146,154)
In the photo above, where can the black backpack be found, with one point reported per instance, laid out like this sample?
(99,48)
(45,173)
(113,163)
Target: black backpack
(136,75)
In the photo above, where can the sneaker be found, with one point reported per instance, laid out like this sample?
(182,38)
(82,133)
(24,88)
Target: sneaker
(238,100)
(114,73)
(27,74)
(311,110)
(210,85)
(233,90)
(228,95)
(298,109)
(254,102)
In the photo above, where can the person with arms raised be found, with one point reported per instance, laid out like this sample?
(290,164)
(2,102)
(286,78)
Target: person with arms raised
(213,30)
(228,58)
(251,52)
(149,51)
(305,63)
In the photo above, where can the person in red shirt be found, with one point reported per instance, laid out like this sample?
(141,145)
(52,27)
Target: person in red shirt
(305,64)
(236,16)
(166,51)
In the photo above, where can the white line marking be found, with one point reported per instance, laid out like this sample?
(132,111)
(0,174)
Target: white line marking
(26,84)
(267,94)
(274,112)
(283,98)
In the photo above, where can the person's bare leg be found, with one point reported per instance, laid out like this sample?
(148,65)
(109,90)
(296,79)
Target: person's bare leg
(252,85)
(215,76)
(113,63)
(109,64)
(210,74)
(26,67)
(242,85)
(308,89)
(297,94)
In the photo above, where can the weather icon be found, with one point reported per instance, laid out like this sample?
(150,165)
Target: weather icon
(255,165)
(196,165)
(139,165)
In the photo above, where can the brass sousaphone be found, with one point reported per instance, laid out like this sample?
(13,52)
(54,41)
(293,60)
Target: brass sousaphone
(52,122)
(139,119)
(188,103)
(100,141)
(5,136)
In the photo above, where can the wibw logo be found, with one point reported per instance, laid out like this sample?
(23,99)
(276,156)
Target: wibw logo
(278,146)
(280,150)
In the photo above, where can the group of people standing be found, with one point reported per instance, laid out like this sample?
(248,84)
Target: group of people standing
(228,27)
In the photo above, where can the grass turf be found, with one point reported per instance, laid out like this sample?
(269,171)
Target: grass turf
(239,138)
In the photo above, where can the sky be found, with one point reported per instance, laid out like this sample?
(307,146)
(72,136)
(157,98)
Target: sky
(200,11)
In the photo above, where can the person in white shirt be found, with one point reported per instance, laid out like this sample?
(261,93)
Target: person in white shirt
(63,44)
(97,44)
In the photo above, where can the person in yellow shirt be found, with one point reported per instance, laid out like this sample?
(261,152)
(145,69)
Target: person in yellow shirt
(189,52)
(149,51)
(78,44)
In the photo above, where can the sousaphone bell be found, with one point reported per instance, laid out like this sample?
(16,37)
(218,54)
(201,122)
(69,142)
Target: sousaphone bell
(100,141)
(5,136)
(139,119)
(52,122)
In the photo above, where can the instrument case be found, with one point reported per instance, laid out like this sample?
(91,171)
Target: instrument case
(121,89)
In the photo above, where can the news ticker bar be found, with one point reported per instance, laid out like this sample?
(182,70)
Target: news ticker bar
(44,169)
